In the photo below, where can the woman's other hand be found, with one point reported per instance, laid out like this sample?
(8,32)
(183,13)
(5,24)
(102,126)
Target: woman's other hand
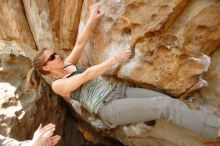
(95,13)
(42,134)
(123,56)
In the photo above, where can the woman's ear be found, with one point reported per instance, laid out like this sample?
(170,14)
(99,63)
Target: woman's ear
(46,68)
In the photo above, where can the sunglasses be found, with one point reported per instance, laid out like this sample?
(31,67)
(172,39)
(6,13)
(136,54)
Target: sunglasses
(51,58)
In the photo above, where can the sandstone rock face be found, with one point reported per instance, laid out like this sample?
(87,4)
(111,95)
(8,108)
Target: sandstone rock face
(53,24)
(174,44)
(15,34)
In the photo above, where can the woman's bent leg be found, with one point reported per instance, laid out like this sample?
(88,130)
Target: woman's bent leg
(130,110)
(206,124)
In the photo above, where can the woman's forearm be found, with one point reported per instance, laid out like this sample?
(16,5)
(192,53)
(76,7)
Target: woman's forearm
(80,44)
(101,68)
(84,36)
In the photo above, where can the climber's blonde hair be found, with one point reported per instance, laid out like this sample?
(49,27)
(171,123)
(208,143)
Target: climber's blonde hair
(34,75)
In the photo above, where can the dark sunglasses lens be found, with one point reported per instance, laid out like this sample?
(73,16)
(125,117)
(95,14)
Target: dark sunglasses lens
(52,57)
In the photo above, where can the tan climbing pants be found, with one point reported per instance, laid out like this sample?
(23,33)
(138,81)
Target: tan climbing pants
(127,105)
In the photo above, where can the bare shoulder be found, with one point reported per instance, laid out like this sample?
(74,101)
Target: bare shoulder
(54,85)
(57,86)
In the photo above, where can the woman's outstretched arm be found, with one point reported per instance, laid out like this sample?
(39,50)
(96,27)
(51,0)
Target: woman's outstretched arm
(65,86)
(84,36)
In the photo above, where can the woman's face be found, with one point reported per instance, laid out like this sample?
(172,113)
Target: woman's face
(52,60)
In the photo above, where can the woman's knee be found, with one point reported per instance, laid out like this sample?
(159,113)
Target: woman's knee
(169,107)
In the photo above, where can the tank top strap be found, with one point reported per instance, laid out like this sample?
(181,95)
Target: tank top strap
(79,69)
(67,65)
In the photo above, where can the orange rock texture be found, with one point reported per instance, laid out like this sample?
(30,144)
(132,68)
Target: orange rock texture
(175,51)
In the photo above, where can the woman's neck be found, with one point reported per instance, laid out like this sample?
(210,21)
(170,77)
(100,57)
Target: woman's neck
(57,74)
